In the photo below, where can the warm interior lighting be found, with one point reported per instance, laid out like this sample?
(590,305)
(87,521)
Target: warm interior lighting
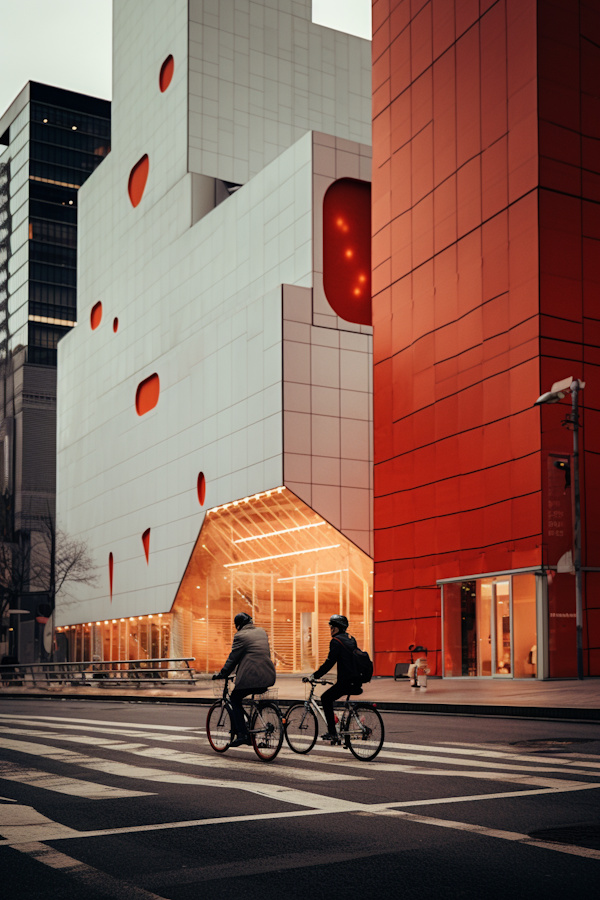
(280,590)
(48,320)
(313,575)
(52,181)
(247,562)
(73,127)
(268,534)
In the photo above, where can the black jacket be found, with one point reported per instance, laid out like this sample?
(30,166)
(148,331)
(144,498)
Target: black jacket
(340,652)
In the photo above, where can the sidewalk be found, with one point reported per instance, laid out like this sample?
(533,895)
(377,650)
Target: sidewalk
(568,699)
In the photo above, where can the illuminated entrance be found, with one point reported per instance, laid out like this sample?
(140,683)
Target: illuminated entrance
(490,627)
(272,556)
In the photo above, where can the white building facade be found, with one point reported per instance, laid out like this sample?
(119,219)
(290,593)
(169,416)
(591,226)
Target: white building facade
(214,410)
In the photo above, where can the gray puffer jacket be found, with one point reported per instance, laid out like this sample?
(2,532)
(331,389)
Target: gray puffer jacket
(250,653)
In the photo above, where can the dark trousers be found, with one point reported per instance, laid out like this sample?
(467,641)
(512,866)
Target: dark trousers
(337,690)
(236,697)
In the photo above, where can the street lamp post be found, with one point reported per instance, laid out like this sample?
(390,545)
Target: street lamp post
(558,392)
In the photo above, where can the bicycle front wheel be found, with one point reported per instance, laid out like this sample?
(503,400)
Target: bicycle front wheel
(301,728)
(218,726)
(266,731)
(364,731)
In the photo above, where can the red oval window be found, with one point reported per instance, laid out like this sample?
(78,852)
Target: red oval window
(137,179)
(111,565)
(96,315)
(146,543)
(115,325)
(201,488)
(146,396)
(166,73)
(347,249)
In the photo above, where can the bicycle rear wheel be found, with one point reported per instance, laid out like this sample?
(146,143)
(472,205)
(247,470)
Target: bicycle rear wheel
(301,728)
(266,731)
(218,726)
(364,731)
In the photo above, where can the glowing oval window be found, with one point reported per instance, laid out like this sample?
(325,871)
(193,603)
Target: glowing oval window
(201,488)
(146,396)
(137,179)
(146,543)
(115,325)
(96,315)
(347,249)
(111,566)
(166,73)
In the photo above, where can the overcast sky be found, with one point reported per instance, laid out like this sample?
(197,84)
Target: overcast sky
(67,43)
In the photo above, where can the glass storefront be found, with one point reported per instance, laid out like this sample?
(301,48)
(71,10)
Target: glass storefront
(489,627)
(136,637)
(273,557)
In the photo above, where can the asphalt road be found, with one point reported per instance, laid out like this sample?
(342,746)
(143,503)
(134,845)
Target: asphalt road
(123,800)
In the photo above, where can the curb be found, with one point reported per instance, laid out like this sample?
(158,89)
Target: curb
(547,713)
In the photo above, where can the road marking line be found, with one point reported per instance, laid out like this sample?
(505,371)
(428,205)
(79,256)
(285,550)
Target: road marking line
(88,875)
(494,832)
(192,759)
(376,808)
(75,787)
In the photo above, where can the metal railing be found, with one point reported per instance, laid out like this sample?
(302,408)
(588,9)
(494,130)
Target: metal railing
(113,673)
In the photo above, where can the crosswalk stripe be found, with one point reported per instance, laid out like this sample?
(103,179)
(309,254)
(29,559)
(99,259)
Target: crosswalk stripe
(125,731)
(75,787)
(494,754)
(24,823)
(99,722)
(195,759)
(110,767)
(87,875)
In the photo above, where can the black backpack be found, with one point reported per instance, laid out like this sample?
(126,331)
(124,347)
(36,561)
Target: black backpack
(360,663)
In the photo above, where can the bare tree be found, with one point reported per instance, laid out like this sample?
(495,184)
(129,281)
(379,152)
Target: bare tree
(64,561)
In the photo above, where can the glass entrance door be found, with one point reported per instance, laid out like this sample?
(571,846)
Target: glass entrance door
(501,630)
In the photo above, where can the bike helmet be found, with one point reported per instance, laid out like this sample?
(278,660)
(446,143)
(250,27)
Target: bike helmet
(340,622)
(241,619)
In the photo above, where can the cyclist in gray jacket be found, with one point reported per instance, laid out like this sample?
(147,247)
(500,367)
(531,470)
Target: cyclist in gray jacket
(251,655)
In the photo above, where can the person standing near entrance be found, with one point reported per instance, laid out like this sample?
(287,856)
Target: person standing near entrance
(251,655)
(341,650)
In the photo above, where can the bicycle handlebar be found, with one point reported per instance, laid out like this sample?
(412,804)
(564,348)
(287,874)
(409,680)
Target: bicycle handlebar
(316,681)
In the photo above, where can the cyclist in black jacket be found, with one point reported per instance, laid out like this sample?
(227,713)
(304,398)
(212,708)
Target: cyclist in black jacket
(341,648)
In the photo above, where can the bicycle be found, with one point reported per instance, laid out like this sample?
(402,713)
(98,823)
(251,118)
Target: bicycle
(265,725)
(361,728)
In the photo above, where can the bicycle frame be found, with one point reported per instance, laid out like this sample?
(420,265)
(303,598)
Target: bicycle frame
(254,704)
(347,711)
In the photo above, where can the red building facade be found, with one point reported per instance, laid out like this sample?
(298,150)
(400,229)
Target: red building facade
(486,291)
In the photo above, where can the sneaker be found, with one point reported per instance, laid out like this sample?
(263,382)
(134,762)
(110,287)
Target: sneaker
(241,741)
(332,738)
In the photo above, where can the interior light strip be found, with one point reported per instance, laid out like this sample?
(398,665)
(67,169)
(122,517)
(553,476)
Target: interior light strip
(52,181)
(247,562)
(314,575)
(48,320)
(268,534)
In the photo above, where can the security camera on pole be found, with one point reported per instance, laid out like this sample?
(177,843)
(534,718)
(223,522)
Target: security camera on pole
(558,392)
